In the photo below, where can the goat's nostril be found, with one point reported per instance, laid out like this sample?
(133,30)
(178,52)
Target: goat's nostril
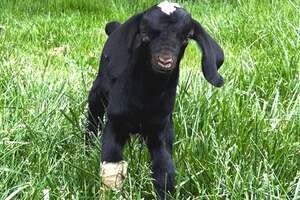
(164,60)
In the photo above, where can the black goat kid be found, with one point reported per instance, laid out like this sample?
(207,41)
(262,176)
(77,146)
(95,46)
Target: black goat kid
(136,83)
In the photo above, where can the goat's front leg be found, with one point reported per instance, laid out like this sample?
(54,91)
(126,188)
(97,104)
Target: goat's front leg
(159,142)
(113,169)
(115,135)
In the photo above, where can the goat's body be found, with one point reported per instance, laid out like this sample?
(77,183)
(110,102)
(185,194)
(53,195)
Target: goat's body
(136,100)
(137,80)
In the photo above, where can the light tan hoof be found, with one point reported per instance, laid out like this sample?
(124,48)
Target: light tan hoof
(113,174)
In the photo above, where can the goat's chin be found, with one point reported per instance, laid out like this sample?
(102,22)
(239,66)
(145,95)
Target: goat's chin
(161,70)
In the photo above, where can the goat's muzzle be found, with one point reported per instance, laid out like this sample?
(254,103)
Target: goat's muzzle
(164,63)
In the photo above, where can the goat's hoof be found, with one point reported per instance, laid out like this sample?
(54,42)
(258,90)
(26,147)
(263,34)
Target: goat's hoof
(113,174)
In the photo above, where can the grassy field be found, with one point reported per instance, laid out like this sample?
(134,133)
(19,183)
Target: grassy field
(241,141)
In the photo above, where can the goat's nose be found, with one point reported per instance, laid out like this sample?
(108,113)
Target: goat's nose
(165,59)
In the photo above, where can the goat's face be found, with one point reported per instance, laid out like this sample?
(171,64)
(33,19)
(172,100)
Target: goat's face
(165,34)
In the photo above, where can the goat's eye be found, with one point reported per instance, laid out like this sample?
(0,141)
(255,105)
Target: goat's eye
(191,33)
(185,41)
(145,37)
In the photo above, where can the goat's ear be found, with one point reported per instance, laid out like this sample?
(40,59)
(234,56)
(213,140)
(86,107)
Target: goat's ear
(129,31)
(213,56)
(111,26)
(121,45)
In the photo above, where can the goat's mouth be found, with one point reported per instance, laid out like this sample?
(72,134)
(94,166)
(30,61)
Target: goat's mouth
(163,65)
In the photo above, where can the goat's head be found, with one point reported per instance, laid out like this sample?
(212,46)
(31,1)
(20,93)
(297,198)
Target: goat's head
(163,32)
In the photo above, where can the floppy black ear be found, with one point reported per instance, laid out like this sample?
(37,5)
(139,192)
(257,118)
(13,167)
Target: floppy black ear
(111,26)
(120,46)
(213,56)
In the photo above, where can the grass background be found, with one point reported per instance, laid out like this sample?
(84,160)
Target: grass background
(238,142)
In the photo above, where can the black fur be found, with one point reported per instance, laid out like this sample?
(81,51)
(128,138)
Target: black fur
(136,85)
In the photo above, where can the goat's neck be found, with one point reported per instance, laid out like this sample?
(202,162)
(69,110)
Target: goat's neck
(152,81)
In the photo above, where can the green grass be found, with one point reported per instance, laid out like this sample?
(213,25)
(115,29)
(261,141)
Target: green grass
(238,142)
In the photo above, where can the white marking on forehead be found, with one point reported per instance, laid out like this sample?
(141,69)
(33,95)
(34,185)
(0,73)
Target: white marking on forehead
(168,7)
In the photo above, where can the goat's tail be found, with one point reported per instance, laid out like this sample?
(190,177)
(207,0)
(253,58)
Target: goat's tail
(111,26)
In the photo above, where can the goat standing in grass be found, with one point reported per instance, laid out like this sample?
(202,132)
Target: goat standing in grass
(136,84)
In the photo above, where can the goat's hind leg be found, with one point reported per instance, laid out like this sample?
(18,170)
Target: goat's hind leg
(96,109)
